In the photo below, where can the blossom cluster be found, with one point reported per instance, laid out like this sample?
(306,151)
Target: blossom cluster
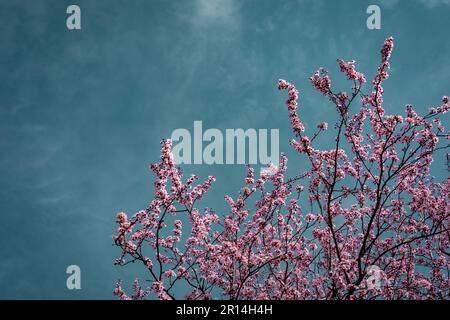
(321,81)
(368,203)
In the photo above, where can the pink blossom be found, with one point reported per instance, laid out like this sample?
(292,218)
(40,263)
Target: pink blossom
(250,176)
(121,217)
(291,104)
(321,81)
(323,126)
(169,273)
(348,68)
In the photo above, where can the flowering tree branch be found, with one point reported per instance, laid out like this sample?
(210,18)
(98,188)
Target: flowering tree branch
(370,201)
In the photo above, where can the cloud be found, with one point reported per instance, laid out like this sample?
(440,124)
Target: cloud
(389,4)
(56,199)
(434,3)
(204,13)
(215,9)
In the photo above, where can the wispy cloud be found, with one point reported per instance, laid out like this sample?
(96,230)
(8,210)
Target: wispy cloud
(205,13)
(215,9)
(56,199)
(434,3)
(389,4)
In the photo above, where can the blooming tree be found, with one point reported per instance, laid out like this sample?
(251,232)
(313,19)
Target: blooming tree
(365,211)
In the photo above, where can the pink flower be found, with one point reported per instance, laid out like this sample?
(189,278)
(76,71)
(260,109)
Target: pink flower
(321,81)
(310,217)
(170,274)
(348,68)
(387,49)
(291,103)
(250,176)
(119,292)
(121,217)
(322,126)
(445,99)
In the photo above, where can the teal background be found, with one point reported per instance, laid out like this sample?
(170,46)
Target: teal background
(82,112)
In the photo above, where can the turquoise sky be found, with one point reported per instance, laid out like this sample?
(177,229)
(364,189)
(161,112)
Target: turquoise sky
(82,112)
